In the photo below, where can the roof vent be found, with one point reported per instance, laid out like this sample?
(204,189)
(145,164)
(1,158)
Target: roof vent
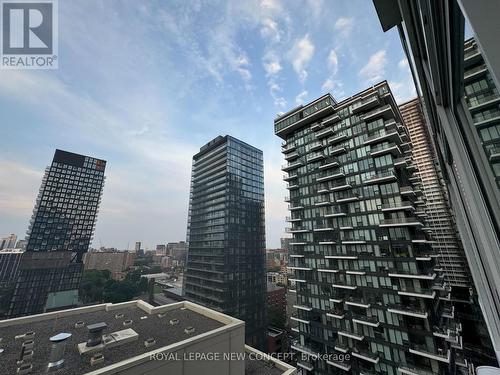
(96,359)
(119,316)
(24,368)
(183,308)
(161,315)
(80,324)
(127,322)
(149,342)
(144,317)
(95,334)
(56,360)
(189,330)
(174,322)
(2,350)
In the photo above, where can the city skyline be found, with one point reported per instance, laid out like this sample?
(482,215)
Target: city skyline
(264,58)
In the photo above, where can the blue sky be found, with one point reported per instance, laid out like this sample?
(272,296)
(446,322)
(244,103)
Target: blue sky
(145,84)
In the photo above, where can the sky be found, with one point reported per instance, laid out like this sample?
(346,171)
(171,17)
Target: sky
(144,85)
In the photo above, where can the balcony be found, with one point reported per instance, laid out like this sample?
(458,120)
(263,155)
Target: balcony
(328,164)
(407,190)
(330,176)
(383,149)
(327,241)
(448,312)
(336,314)
(288,147)
(291,156)
(303,349)
(291,219)
(291,176)
(400,206)
(334,213)
(365,320)
(340,187)
(352,335)
(295,206)
(365,355)
(337,150)
(344,286)
(351,256)
(292,186)
(407,310)
(347,199)
(338,138)
(408,370)
(290,166)
(324,133)
(358,302)
(297,229)
(419,293)
(402,163)
(365,103)
(383,136)
(331,120)
(316,145)
(494,153)
(475,72)
(303,308)
(381,177)
(326,270)
(305,365)
(314,157)
(322,201)
(476,104)
(401,222)
(407,275)
(385,112)
(341,348)
(299,268)
(423,351)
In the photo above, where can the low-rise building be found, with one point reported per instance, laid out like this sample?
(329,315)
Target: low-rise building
(117,262)
(132,338)
(277,278)
(9,265)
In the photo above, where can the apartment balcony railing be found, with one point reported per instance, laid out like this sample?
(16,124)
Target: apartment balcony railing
(324,133)
(366,355)
(423,274)
(408,310)
(420,292)
(386,112)
(411,370)
(295,206)
(331,120)
(292,186)
(477,103)
(407,190)
(365,103)
(351,335)
(381,177)
(358,302)
(297,229)
(382,136)
(291,156)
(334,213)
(337,150)
(494,153)
(365,320)
(322,201)
(346,199)
(290,176)
(399,206)
(336,313)
(316,145)
(401,222)
(292,219)
(383,149)
(315,156)
(402,163)
(340,187)
(474,72)
(288,147)
(440,355)
(337,138)
(341,365)
(290,166)
(328,163)
(329,176)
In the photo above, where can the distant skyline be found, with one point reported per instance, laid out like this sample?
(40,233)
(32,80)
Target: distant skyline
(145,85)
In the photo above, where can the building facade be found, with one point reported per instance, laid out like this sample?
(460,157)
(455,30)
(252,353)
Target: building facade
(461,106)
(226,258)
(9,265)
(59,234)
(8,242)
(365,274)
(437,211)
(117,262)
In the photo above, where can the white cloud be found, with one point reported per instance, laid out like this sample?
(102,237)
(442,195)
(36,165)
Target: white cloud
(272,64)
(333,61)
(316,7)
(300,55)
(344,26)
(374,70)
(270,30)
(299,99)
(403,64)
(334,86)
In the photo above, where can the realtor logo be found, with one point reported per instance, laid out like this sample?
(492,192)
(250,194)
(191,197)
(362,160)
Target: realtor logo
(29,34)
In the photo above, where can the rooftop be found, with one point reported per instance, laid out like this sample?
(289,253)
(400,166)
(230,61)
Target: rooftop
(135,330)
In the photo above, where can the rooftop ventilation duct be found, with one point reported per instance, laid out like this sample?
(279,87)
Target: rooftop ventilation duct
(95,334)
(56,360)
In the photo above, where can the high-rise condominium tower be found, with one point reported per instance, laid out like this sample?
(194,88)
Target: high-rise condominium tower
(365,276)
(437,211)
(459,87)
(226,257)
(60,233)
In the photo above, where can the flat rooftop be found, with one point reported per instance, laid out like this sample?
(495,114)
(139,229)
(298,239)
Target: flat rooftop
(146,325)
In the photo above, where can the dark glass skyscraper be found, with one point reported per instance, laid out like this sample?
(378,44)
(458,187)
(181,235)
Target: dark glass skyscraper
(226,234)
(59,234)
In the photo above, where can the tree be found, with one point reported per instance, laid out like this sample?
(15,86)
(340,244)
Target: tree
(93,285)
